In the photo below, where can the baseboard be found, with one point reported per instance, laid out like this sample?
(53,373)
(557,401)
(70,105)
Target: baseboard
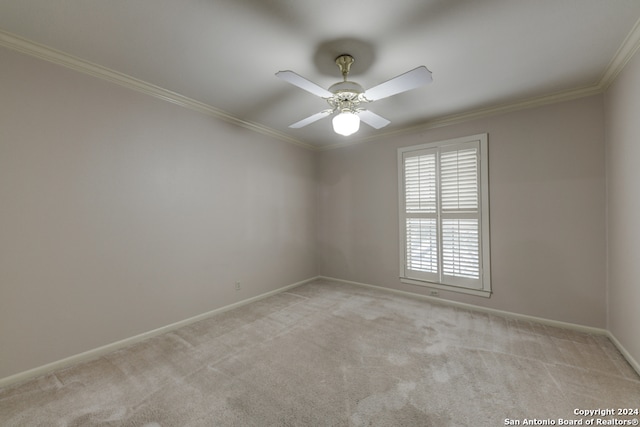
(634,363)
(573,326)
(101,351)
(510,314)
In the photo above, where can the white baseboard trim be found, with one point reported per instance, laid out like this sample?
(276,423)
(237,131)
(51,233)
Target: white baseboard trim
(634,363)
(573,326)
(510,314)
(101,351)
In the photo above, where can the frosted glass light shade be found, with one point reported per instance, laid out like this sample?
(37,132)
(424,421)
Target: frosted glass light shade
(346,123)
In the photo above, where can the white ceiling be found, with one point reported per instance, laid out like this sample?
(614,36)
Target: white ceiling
(224,53)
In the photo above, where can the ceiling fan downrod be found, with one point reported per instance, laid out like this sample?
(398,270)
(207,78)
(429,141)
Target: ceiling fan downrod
(344,63)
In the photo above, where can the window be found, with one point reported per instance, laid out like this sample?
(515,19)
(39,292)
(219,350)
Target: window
(444,215)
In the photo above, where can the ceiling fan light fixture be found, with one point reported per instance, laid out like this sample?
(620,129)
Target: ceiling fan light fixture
(346,97)
(346,123)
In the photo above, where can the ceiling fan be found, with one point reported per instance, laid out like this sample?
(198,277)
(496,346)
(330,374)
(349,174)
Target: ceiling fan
(345,97)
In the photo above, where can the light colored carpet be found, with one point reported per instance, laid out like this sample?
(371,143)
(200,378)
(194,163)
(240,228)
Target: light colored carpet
(330,354)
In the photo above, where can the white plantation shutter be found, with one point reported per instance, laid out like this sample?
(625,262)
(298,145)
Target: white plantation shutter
(420,177)
(459,179)
(443,232)
(421,243)
(459,183)
(460,248)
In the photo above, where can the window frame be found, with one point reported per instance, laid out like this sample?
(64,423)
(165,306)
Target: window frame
(482,285)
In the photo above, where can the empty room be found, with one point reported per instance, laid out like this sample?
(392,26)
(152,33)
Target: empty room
(337,213)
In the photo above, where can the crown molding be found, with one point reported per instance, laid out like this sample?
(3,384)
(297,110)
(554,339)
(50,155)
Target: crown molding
(19,44)
(479,113)
(629,47)
(625,52)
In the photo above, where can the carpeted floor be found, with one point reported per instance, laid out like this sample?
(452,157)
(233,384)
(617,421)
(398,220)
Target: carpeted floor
(330,354)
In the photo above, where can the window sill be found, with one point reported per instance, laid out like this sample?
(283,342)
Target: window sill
(458,289)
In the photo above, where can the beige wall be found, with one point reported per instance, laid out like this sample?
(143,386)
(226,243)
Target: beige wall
(121,213)
(547,189)
(623,207)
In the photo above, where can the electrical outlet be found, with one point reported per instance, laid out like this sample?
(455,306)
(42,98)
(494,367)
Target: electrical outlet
(434,293)
(237,286)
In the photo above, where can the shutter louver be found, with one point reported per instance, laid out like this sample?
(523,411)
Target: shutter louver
(421,208)
(422,244)
(459,180)
(460,248)
(420,184)
(459,201)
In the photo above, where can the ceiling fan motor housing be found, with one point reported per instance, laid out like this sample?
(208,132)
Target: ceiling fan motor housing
(347,96)
(346,90)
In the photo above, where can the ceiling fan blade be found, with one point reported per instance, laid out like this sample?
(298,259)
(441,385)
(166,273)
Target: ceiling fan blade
(402,83)
(372,119)
(302,83)
(311,119)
